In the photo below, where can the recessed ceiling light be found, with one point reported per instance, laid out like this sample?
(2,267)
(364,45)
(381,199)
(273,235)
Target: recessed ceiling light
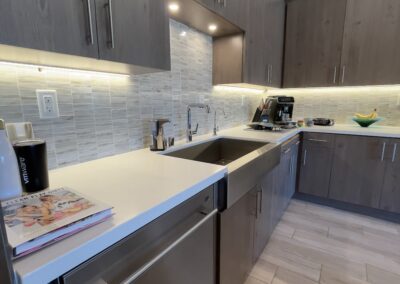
(212,27)
(183,33)
(173,7)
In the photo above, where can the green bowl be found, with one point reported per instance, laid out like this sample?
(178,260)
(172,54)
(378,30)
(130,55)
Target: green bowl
(365,122)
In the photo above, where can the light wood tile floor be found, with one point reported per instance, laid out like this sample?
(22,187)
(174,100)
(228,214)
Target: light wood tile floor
(318,244)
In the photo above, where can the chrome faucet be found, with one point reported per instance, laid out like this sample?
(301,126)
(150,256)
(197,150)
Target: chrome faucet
(215,129)
(189,131)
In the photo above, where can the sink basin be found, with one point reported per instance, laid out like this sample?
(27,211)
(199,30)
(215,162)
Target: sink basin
(246,161)
(220,152)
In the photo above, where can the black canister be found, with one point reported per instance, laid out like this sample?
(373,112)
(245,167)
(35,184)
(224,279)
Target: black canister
(32,161)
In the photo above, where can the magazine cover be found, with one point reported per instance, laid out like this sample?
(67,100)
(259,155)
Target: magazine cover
(31,216)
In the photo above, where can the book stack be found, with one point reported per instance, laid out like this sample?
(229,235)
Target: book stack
(40,219)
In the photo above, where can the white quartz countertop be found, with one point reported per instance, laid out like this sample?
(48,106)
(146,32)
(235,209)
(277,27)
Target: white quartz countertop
(244,132)
(141,186)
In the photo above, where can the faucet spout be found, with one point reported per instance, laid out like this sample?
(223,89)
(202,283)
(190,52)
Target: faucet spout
(215,129)
(189,131)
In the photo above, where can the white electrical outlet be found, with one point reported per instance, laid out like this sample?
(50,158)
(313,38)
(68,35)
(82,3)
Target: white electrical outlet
(48,104)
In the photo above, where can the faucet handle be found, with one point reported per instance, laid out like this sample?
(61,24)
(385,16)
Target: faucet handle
(197,128)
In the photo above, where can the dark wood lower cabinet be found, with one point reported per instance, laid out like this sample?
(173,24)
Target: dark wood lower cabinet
(315,164)
(237,239)
(390,198)
(358,169)
(264,224)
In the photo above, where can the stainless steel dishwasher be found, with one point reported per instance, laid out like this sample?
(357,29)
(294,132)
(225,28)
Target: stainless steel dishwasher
(177,248)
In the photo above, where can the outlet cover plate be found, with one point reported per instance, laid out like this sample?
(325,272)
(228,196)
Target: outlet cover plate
(48,104)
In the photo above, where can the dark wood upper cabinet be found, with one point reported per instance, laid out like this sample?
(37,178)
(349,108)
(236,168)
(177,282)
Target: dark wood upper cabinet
(342,43)
(235,11)
(314,34)
(61,26)
(358,170)
(264,43)
(371,41)
(315,164)
(210,4)
(390,199)
(128,36)
(261,60)
(134,32)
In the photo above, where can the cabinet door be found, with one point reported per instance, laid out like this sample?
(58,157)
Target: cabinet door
(281,186)
(263,224)
(390,199)
(371,43)
(134,32)
(274,23)
(50,25)
(210,4)
(314,35)
(264,42)
(316,162)
(234,11)
(293,168)
(358,170)
(237,239)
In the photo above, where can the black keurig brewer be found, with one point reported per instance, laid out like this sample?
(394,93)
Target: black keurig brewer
(32,161)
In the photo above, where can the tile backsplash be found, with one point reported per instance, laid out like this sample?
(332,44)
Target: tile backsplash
(340,103)
(102,115)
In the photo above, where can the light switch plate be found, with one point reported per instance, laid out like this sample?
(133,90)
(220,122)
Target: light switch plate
(48,104)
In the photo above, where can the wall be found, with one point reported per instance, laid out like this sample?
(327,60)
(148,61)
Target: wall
(105,115)
(342,102)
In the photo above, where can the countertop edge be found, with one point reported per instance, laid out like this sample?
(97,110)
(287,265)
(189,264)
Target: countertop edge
(76,257)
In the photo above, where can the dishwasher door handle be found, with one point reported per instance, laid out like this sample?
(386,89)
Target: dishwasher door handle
(178,241)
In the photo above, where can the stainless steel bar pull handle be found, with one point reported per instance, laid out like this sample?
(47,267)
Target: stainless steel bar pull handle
(383,151)
(110,41)
(267,72)
(89,36)
(394,153)
(343,73)
(334,75)
(317,140)
(270,74)
(305,157)
(178,241)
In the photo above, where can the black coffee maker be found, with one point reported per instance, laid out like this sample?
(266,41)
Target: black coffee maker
(276,112)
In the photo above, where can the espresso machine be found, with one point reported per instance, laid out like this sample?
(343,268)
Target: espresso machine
(274,114)
(159,142)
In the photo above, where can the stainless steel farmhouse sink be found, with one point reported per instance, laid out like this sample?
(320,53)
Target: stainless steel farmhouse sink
(247,161)
(221,151)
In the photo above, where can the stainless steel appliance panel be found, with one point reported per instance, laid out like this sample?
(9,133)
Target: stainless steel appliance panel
(180,247)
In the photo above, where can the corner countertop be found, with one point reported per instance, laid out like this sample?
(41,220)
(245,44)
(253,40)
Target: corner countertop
(244,132)
(141,186)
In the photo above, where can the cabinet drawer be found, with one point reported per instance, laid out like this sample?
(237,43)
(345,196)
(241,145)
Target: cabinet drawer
(126,257)
(321,139)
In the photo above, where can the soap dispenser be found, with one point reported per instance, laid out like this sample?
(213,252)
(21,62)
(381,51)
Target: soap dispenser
(10,181)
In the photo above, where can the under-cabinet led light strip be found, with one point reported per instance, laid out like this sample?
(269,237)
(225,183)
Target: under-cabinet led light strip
(42,68)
